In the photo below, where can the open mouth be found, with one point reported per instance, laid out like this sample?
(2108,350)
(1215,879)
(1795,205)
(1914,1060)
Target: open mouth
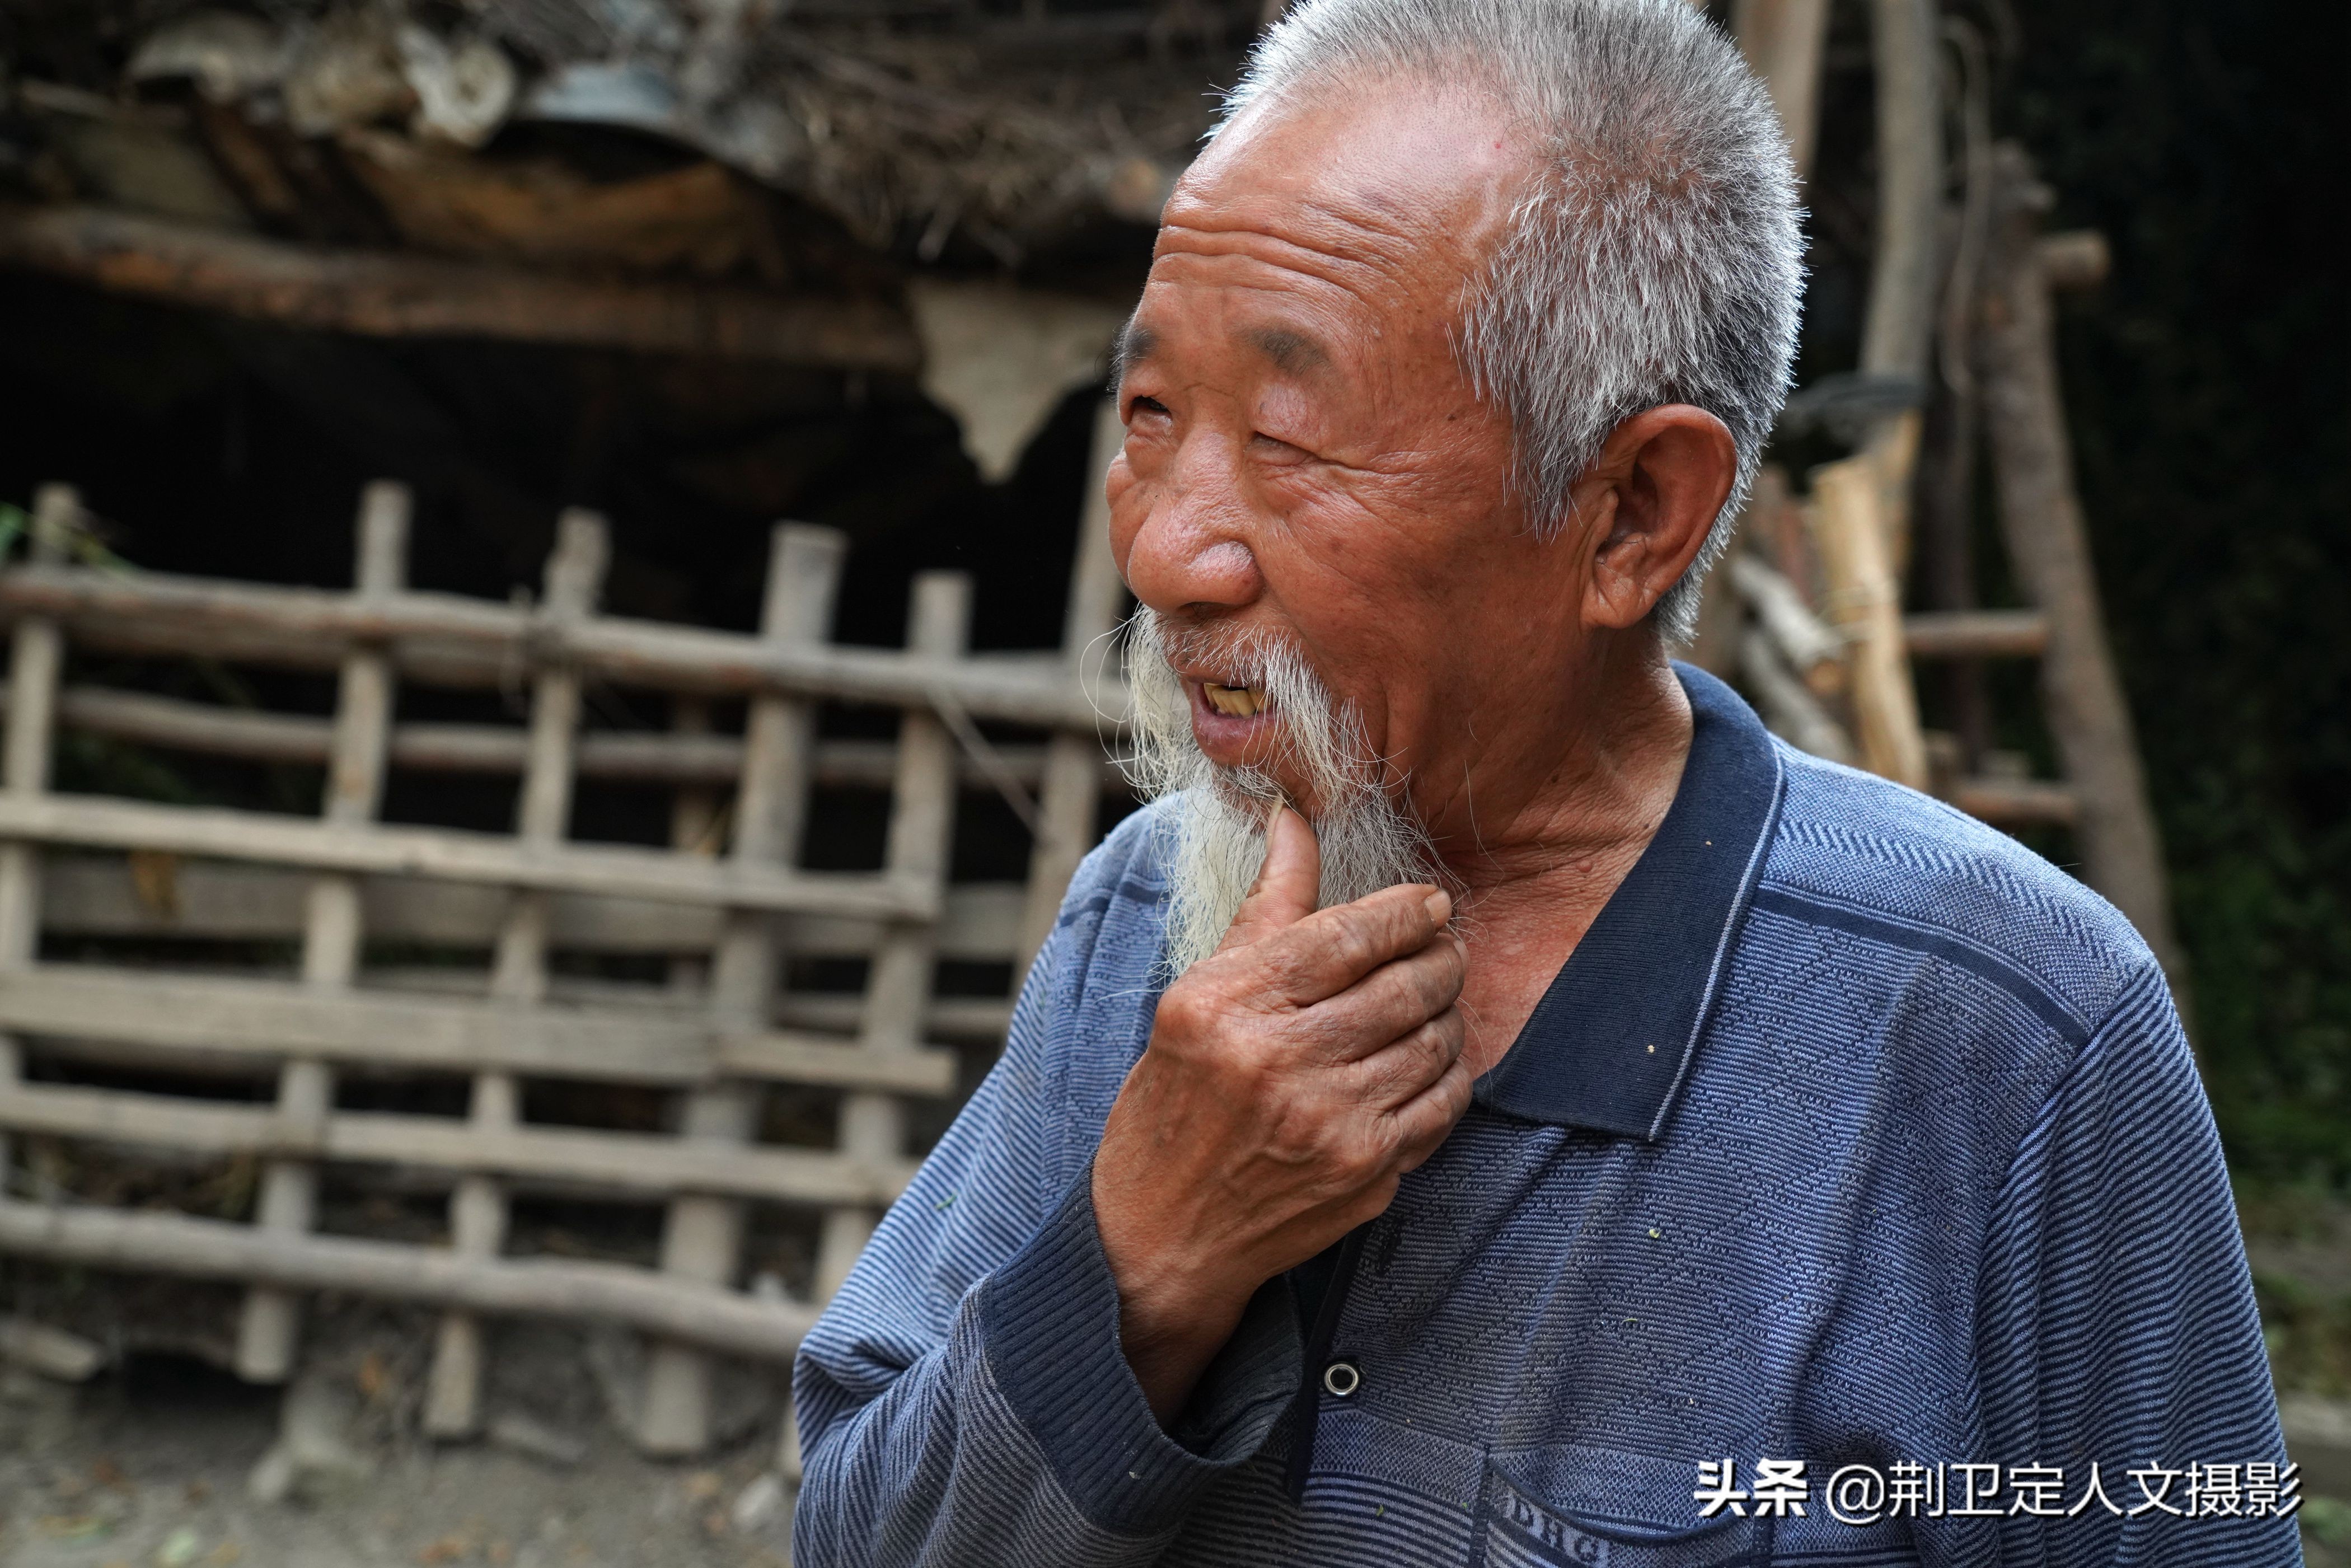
(1233,702)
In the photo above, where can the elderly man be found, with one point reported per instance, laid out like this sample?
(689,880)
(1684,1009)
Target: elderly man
(1498,1105)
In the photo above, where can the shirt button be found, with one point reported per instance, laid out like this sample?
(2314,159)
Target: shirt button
(1342,1378)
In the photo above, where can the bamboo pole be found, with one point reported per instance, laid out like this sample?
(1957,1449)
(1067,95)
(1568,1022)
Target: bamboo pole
(703,1238)
(270,1327)
(187,1017)
(95,895)
(1783,40)
(1976,634)
(182,1245)
(635,1164)
(450,640)
(688,758)
(37,650)
(1071,803)
(391,294)
(1864,602)
(610,870)
(922,819)
(2048,545)
(922,822)
(477,1210)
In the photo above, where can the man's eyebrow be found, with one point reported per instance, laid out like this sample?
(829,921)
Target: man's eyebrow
(1135,344)
(1292,352)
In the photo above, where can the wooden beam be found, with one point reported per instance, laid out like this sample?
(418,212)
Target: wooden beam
(208,1013)
(1976,633)
(386,294)
(2017,803)
(534,1287)
(634,757)
(1864,602)
(449,639)
(1782,42)
(2049,548)
(646,1164)
(619,870)
(1806,642)
(95,895)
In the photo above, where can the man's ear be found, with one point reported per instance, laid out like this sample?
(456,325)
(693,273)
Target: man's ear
(1660,480)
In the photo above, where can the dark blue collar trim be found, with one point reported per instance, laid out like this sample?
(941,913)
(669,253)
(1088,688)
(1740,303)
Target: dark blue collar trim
(1613,1039)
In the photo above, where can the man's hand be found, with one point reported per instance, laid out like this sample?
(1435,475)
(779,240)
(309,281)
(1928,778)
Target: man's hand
(1292,1077)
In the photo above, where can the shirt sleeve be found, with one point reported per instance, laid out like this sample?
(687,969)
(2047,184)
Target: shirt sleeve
(964,1398)
(2116,1325)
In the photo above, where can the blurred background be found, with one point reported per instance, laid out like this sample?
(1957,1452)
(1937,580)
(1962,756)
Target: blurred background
(705,265)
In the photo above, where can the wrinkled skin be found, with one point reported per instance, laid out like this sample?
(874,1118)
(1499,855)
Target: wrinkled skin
(1304,456)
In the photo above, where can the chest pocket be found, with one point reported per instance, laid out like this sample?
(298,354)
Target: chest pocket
(1521,1531)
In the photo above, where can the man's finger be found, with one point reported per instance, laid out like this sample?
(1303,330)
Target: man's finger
(1288,885)
(1322,953)
(1390,1002)
(1397,1072)
(1422,1123)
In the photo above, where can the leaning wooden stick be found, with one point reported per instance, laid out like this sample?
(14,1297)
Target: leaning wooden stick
(921,818)
(1070,801)
(35,652)
(477,1212)
(703,1238)
(271,1325)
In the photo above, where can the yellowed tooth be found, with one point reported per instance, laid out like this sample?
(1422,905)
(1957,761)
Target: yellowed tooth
(1234,702)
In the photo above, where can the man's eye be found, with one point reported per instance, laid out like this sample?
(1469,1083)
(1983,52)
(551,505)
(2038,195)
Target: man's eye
(1143,405)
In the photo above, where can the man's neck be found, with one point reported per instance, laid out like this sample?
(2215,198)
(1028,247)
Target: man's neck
(1567,821)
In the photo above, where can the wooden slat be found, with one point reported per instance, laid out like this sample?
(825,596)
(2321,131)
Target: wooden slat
(2018,802)
(269,1327)
(648,1165)
(1069,802)
(248,1016)
(2048,545)
(94,896)
(613,869)
(216,1249)
(450,639)
(394,294)
(1849,525)
(1976,633)
(702,1236)
(630,756)
(37,650)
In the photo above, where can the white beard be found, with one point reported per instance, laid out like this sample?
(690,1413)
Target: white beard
(1215,829)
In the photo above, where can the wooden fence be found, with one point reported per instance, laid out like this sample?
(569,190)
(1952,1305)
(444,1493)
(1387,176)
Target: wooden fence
(345,888)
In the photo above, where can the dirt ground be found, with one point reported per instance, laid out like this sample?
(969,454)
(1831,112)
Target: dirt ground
(152,1464)
(114,1482)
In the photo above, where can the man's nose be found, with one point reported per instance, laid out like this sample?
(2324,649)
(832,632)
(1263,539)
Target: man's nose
(1193,548)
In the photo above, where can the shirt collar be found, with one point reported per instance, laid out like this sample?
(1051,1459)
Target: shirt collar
(1612,1037)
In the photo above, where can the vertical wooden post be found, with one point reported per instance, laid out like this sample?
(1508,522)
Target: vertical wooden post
(898,987)
(1899,324)
(36,649)
(271,1325)
(1865,601)
(695,818)
(702,1237)
(477,1210)
(1782,41)
(2049,547)
(1070,801)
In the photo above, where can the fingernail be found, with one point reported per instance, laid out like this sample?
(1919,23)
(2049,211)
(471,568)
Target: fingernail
(1439,906)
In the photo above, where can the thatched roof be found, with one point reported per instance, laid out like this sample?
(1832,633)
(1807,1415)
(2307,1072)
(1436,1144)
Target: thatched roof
(923,127)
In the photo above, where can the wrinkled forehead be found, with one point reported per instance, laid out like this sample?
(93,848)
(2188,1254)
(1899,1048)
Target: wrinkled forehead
(1390,192)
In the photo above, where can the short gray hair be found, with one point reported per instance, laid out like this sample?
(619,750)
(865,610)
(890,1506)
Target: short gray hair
(1656,258)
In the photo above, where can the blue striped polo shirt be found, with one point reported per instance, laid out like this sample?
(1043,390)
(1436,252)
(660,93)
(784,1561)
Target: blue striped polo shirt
(1854,1141)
